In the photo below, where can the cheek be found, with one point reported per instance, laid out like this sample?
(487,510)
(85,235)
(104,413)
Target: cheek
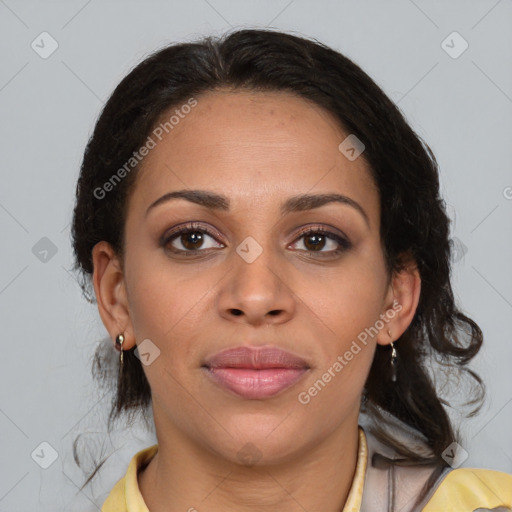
(163,310)
(333,393)
(349,300)
(163,304)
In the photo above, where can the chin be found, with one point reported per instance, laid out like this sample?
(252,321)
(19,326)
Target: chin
(261,439)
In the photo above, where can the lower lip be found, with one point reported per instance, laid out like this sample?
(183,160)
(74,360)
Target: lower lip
(256,384)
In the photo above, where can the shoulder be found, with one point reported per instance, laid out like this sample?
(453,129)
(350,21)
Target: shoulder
(116,499)
(125,495)
(468,489)
(454,490)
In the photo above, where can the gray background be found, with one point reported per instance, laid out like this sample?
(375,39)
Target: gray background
(461,106)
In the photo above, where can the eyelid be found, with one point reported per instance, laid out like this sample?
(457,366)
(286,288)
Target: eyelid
(188,226)
(330,232)
(323,228)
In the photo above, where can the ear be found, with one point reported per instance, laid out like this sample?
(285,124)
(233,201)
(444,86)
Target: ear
(401,302)
(110,290)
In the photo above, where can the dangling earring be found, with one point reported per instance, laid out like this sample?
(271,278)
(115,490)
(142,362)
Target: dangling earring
(119,346)
(393,359)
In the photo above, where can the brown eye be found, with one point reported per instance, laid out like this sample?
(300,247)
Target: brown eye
(191,239)
(317,239)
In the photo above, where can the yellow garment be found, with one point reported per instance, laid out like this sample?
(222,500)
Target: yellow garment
(125,496)
(467,489)
(462,490)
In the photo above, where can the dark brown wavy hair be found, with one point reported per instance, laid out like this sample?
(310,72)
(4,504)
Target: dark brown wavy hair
(414,222)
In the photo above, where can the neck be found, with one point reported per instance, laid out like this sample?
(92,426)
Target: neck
(185,477)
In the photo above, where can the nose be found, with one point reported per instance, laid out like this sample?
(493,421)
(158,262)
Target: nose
(257,292)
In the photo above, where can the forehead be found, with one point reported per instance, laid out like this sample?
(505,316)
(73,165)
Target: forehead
(253,147)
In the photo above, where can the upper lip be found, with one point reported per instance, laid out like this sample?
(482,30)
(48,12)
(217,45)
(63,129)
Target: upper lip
(255,358)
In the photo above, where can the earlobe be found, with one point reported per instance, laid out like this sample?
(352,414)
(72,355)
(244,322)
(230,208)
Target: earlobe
(109,287)
(402,301)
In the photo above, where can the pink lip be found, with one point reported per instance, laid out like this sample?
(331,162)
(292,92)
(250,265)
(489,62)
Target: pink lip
(256,373)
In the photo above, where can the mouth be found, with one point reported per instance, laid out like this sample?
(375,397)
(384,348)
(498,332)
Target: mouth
(255,374)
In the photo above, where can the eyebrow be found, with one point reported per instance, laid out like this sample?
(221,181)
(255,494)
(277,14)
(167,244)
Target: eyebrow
(298,203)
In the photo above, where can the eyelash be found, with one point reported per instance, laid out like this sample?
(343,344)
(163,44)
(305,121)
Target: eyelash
(344,244)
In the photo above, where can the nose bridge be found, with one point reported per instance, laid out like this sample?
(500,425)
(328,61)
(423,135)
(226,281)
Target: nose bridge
(256,289)
(255,265)
(258,245)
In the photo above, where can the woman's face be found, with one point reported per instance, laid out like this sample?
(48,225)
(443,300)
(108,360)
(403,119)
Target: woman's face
(254,279)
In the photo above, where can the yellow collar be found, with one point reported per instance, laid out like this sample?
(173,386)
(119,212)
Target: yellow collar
(353,503)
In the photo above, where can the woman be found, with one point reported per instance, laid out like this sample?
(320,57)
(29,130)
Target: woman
(270,255)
